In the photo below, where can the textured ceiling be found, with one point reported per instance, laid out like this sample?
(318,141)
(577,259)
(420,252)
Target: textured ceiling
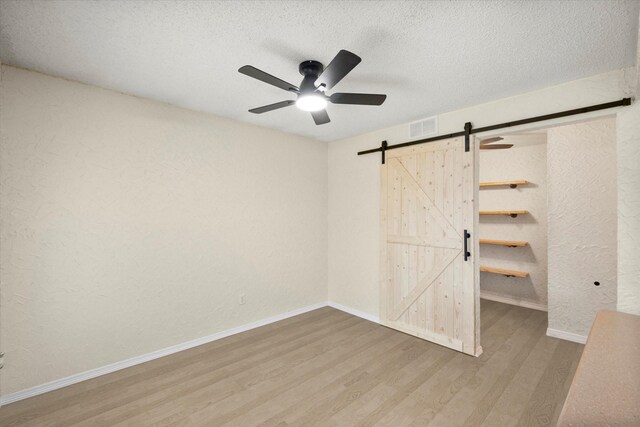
(428,57)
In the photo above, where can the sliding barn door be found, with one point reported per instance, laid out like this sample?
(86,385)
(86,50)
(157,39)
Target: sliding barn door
(428,289)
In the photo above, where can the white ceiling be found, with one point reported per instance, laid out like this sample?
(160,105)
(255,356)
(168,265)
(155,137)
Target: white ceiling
(428,57)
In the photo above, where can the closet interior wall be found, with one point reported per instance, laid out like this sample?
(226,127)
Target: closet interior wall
(526,160)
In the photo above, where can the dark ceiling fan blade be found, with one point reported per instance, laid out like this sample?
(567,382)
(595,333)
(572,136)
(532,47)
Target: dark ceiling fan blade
(271,107)
(339,67)
(250,71)
(491,140)
(357,98)
(495,147)
(320,117)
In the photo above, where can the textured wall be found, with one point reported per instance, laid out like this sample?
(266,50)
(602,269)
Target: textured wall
(628,126)
(527,160)
(582,223)
(629,209)
(354,180)
(130,225)
(354,224)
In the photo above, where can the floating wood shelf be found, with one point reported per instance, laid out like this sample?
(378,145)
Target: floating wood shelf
(509,243)
(508,273)
(512,184)
(512,214)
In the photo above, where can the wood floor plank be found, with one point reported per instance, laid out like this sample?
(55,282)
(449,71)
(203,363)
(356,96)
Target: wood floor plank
(190,401)
(294,413)
(209,370)
(461,406)
(209,380)
(492,313)
(151,378)
(197,375)
(419,359)
(516,395)
(52,401)
(563,393)
(508,371)
(550,391)
(424,403)
(360,408)
(335,377)
(398,397)
(327,367)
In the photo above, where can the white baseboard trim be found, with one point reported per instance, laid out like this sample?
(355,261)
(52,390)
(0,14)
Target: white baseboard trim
(93,373)
(513,301)
(580,339)
(355,312)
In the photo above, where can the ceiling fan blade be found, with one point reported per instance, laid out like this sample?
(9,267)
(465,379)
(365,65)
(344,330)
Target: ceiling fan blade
(339,67)
(495,147)
(250,71)
(357,98)
(271,107)
(491,140)
(320,117)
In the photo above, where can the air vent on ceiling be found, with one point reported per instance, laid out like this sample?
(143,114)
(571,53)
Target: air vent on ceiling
(424,128)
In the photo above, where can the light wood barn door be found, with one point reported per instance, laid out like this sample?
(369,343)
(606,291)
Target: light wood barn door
(427,288)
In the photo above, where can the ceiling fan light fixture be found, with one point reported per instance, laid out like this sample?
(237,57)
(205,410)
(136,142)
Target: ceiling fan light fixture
(312,91)
(311,103)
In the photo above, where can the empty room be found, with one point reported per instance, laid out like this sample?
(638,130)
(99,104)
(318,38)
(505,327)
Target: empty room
(333,213)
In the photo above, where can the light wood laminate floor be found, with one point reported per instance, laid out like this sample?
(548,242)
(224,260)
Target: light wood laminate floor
(327,367)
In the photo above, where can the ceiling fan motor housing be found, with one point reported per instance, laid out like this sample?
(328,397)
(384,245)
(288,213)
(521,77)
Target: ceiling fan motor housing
(311,67)
(310,70)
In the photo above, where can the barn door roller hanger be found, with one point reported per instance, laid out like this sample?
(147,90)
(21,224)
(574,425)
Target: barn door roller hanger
(468,128)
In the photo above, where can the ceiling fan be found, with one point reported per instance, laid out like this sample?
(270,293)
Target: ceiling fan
(317,80)
(484,144)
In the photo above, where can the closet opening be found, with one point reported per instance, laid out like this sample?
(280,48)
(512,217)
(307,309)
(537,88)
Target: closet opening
(548,223)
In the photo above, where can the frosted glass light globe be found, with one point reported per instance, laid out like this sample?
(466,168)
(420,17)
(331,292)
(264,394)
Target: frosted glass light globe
(311,103)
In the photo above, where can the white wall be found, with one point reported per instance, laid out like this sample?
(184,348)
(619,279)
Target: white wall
(354,180)
(628,128)
(582,223)
(526,160)
(119,237)
(130,225)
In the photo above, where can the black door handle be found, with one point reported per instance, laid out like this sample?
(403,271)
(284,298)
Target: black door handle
(467,254)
